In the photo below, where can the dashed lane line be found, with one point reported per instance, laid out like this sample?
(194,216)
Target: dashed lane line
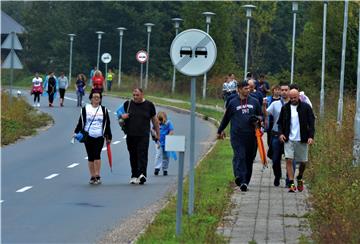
(24,189)
(72,165)
(51,176)
(116,142)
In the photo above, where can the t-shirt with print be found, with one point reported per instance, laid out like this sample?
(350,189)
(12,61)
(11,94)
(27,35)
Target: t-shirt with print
(140,115)
(95,129)
(164,131)
(294,125)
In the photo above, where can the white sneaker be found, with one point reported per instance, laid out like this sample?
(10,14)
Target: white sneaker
(34,105)
(133,180)
(38,105)
(142,179)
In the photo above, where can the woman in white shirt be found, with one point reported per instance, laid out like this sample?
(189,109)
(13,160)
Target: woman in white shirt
(94,119)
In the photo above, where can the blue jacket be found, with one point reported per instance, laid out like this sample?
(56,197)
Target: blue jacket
(240,114)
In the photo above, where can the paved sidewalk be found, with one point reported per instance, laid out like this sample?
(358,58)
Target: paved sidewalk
(265,213)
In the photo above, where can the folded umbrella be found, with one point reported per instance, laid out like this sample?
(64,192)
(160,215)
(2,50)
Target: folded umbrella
(109,155)
(261,147)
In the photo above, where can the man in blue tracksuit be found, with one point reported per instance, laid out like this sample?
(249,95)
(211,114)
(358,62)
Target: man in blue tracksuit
(243,112)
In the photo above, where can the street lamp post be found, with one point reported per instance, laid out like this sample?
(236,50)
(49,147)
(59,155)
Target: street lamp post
(342,73)
(70,62)
(99,33)
(121,33)
(208,16)
(356,147)
(249,9)
(177,22)
(322,90)
(294,10)
(148,29)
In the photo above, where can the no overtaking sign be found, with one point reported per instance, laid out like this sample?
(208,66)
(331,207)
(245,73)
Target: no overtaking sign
(193,52)
(142,56)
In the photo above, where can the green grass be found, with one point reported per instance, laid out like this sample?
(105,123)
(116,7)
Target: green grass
(212,193)
(334,182)
(19,119)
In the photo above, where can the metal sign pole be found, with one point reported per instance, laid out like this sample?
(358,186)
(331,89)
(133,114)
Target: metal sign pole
(180,193)
(12,53)
(141,75)
(192,146)
(106,74)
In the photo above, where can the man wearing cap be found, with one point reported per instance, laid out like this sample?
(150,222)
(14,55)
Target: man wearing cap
(243,112)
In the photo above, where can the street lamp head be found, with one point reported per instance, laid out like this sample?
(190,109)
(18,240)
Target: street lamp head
(99,34)
(295,6)
(71,36)
(148,26)
(208,16)
(249,9)
(177,22)
(121,30)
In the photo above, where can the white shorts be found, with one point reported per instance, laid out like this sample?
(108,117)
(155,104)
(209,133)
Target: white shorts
(296,150)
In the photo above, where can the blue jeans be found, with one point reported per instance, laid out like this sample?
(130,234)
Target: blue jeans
(244,148)
(277,148)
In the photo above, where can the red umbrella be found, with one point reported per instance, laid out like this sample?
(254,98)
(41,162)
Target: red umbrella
(261,147)
(109,155)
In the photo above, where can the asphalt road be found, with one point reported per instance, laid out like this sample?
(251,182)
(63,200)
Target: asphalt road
(45,194)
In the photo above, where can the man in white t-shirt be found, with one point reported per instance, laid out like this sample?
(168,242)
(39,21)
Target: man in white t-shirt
(296,126)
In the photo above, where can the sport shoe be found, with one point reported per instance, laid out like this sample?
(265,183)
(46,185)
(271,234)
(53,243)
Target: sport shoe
(165,172)
(276,181)
(133,180)
(292,188)
(237,181)
(38,105)
(300,185)
(156,172)
(92,180)
(243,187)
(142,179)
(98,179)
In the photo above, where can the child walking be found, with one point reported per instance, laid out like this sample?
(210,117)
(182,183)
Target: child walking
(162,157)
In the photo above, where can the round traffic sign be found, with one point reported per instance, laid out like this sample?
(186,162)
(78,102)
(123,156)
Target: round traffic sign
(193,52)
(142,56)
(106,58)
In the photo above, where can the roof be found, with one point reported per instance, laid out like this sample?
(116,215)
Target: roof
(9,25)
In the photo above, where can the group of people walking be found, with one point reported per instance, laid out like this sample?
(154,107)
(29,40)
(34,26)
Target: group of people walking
(138,112)
(288,118)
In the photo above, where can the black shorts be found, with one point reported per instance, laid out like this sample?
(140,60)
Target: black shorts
(62,92)
(93,147)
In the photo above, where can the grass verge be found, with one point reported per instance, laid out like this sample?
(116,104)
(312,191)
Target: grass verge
(19,119)
(334,182)
(212,192)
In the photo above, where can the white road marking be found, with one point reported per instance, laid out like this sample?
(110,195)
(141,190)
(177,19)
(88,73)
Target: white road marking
(115,113)
(24,189)
(69,98)
(1,201)
(72,165)
(109,110)
(104,149)
(51,176)
(116,142)
(86,158)
(124,137)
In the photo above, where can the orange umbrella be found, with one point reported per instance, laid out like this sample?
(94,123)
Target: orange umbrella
(261,147)
(109,155)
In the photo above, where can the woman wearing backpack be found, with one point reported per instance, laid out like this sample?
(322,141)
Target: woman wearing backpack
(94,119)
